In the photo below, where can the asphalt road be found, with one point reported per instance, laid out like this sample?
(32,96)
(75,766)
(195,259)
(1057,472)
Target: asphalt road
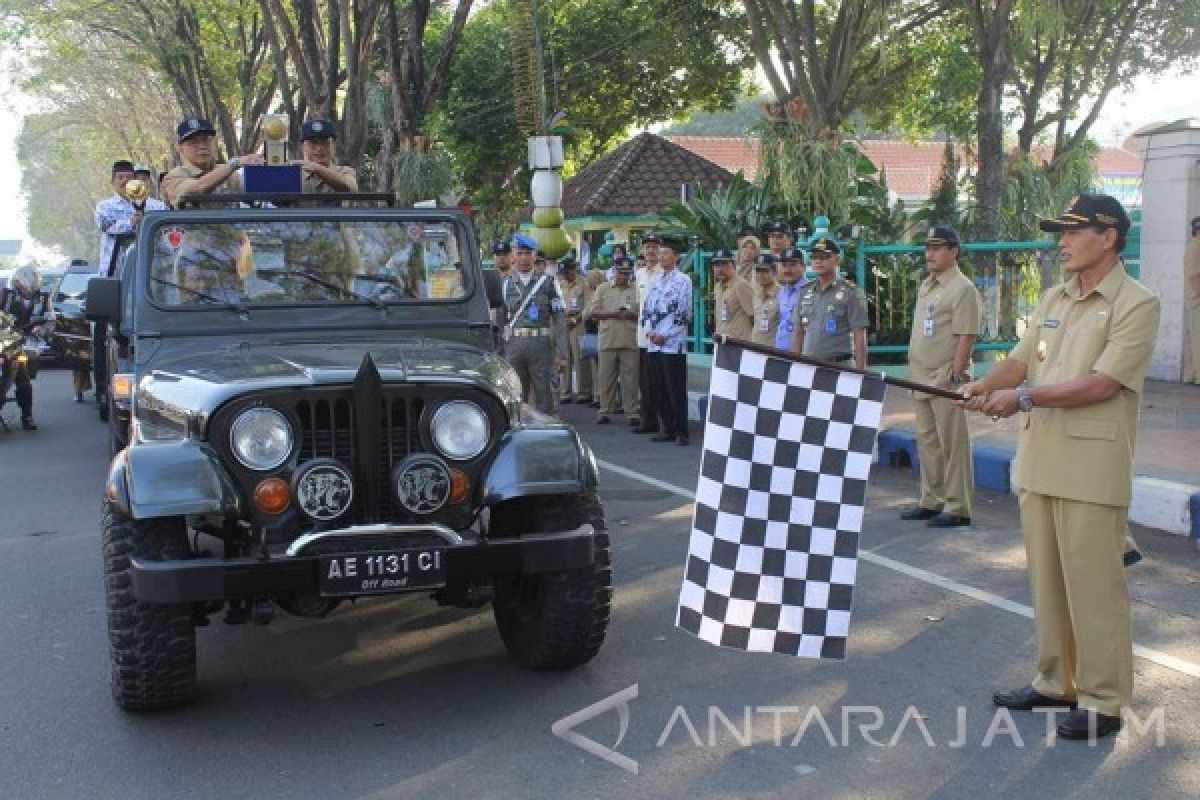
(397,698)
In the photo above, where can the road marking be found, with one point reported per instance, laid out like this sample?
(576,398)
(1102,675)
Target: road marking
(932,578)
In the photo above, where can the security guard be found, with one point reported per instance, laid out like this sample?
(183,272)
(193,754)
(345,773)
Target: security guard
(575,297)
(200,173)
(536,330)
(316,151)
(733,298)
(1076,377)
(614,307)
(945,324)
(791,273)
(766,300)
(1191,305)
(831,317)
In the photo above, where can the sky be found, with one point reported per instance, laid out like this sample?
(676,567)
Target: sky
(1165,98)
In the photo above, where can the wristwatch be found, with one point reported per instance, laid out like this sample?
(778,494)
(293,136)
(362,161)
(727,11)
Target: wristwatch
(1024,399)
(235,162)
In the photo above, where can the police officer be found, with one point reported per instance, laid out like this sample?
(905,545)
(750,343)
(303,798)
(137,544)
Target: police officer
(791,272)
(614,307)
(945,324)
(575,297)
(502,258)
(779,238)
(536,329)
(831,317)
(733,298)
(195,140)
(316,151)
(24,301)
(1076,377)
(766,301)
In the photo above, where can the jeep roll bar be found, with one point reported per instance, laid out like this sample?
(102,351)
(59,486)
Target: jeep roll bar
(286,199)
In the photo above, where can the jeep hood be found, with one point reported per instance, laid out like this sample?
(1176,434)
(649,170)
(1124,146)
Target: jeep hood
(200,382)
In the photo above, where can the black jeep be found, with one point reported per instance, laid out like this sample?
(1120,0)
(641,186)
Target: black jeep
(319,413)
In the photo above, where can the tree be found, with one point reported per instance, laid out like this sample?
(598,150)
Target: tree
(824,61)
(605,65)
(991,26)
(738,121)
(942,207)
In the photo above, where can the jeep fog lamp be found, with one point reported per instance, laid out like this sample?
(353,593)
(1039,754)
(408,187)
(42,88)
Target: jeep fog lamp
(261,438)
(459,430)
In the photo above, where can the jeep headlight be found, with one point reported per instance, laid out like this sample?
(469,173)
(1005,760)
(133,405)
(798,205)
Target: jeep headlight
(261,438)
(460,430)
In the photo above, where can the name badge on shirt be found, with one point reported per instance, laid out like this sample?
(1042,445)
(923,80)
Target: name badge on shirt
(574,302)
(724,312)
(785,325)
(927,328)
(764,324)
(533,312)
(831,326)
(1050,323)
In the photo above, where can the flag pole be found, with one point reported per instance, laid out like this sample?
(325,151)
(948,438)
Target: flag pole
(767,350)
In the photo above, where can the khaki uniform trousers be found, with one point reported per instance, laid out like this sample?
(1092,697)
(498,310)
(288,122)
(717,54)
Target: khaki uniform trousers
(1080,600)
(944,449)
(576,365)
(1191,344)
(619,365)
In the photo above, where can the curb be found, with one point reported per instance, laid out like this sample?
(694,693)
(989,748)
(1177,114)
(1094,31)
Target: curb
(1165,505)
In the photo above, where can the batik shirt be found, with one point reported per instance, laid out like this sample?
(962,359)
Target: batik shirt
(113,217)
(668,310)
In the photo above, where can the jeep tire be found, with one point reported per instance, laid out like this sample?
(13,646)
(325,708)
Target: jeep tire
(152,648)
(557,620)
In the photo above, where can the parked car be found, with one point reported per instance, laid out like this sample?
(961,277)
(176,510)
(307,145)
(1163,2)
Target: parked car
(70,333)
(320,412)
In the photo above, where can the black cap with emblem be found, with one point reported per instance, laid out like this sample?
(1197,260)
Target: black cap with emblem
(764,261)
(722,254)
(942,235)
(122,166)
(792,254)
(775,226)
(1089,211)
(317,129)
(500,248)
(193,126)
(826,245)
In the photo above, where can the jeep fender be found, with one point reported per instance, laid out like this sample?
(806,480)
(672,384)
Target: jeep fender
(170,479)
(539,461)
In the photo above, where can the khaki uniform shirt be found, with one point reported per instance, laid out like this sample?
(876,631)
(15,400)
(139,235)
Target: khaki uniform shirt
(948,306)
(766,315)
(575,298)
(616,334)
(829,317)
(733,306)
(645,278)
(169,186)
(1086,454)
(314,184)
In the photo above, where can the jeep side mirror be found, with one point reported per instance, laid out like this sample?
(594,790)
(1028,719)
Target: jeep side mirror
(493,284)
(103,300)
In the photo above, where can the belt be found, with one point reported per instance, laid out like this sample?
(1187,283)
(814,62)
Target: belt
(530,332)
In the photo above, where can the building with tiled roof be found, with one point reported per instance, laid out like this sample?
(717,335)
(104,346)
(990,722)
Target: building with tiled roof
(913,167)
(631,187)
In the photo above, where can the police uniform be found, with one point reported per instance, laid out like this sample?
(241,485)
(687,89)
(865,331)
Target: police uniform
(733,303)
(828,317)
(537,334)
(1074,467)
(575,296)
(948,306)
(169,185)
(1191,306)
(618,347)
(766,306)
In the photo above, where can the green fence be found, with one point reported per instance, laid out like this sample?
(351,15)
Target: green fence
(1010,277)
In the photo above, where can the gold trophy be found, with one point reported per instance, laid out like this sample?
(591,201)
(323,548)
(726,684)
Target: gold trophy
(137,192)
(275,133)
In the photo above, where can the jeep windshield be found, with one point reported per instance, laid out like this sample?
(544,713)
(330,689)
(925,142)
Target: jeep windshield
(305,262)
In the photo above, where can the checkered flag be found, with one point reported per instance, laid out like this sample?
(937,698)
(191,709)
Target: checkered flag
(779,504)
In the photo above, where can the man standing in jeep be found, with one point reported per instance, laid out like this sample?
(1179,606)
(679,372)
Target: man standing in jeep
(200,173)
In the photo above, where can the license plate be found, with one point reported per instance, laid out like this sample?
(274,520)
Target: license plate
(381,572)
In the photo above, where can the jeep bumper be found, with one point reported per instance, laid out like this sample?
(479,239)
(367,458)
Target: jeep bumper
(201,579)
